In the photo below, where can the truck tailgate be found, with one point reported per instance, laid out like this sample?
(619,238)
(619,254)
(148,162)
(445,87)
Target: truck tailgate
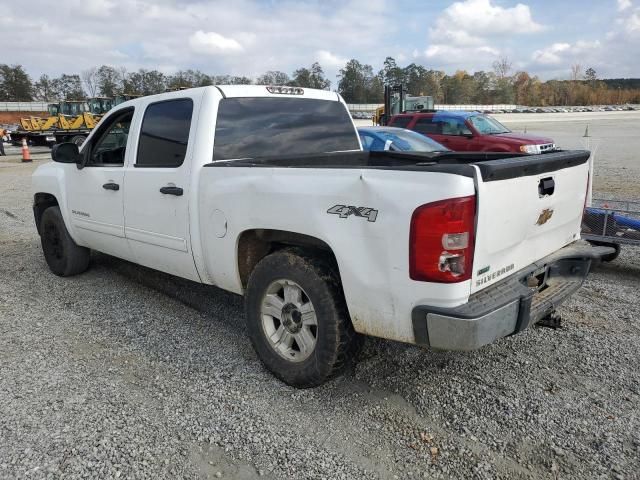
(528,207)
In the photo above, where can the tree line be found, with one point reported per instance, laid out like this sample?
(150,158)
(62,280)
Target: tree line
(109,81)
(357,83)
(501,85)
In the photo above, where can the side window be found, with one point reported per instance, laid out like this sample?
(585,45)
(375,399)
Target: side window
(454,126)
(164,134)
(427,125)
(366,140)
(401,122)
(111,144)
(377,145)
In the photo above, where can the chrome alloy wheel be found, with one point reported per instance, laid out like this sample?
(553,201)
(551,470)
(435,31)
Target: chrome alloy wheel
(289,320)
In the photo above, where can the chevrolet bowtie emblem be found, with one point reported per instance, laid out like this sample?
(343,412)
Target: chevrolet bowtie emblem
(544,217)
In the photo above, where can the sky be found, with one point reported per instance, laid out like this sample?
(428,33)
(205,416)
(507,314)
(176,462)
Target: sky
(249,37)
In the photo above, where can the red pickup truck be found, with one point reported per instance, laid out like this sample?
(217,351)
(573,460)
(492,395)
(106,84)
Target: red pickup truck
(470,131)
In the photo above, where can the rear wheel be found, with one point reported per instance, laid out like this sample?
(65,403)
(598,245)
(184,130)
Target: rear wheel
(63,255)
(297,318)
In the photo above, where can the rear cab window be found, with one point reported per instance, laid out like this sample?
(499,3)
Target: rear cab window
(254,127)
(165,133)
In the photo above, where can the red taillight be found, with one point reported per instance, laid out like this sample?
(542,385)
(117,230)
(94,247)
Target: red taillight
(441,240)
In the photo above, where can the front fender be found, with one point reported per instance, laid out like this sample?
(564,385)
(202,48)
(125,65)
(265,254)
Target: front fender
(499,149)
(50,178)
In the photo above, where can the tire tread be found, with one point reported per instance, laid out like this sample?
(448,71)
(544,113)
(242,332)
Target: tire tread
(76,258)
(338,354)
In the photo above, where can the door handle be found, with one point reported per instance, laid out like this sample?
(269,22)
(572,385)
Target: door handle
(177,191)
(111,186)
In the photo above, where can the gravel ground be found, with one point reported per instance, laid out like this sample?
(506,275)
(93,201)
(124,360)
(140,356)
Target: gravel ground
(613,139)
(126,372)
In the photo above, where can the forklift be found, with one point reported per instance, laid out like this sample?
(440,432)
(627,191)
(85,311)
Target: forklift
(397,100)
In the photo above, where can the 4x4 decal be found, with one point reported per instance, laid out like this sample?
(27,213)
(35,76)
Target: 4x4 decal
(343,211)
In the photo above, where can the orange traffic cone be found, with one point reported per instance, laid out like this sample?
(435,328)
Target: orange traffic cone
(26,156)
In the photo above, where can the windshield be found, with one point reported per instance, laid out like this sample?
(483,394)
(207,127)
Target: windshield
(487,125)
(399,139)
(99,106)
(74,108)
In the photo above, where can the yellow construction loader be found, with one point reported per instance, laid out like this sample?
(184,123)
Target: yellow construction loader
(31,124)
(71,114)
(98,106)
(66,115)
(68,121)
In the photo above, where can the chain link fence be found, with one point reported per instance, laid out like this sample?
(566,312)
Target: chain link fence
(615,221)
(366,110)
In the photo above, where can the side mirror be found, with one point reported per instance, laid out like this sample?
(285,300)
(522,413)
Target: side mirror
(66,153)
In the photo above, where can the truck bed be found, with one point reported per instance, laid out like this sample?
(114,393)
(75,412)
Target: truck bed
(493,166)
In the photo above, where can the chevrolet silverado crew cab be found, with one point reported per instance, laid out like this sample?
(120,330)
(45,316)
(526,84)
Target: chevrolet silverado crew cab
(471,132)
(266,192)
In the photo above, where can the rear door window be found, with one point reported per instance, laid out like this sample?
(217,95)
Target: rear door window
(453,126)
(266,126)
(401,122)
(427,125)
(165,133)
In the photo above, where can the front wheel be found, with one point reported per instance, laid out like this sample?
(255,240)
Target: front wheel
(78,140)
(63,255)
(297,318)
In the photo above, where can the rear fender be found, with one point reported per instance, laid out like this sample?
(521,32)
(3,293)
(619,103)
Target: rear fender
(371,250)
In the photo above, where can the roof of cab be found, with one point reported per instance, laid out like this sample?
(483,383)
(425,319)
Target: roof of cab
(231,91)
(261,91)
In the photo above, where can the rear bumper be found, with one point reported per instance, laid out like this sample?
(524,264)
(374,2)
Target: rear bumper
(509,306)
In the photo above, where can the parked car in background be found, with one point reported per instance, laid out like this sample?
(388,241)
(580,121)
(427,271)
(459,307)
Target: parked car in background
(474,132)
(380,139)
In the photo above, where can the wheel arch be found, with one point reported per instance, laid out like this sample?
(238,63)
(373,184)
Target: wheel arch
(42,201)
(253,245)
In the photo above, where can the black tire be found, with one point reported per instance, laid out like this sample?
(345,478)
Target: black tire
(612,256)
(78,140)
(336,343)
(63,256)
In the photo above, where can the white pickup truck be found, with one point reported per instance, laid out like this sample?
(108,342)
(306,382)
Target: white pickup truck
(266,192)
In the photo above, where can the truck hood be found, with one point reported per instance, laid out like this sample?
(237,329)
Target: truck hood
(523,138)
